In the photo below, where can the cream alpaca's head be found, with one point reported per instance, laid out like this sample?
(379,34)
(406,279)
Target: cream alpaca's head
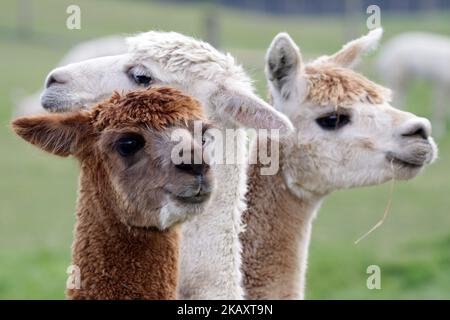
(347,133)
(125,146)
(166,58)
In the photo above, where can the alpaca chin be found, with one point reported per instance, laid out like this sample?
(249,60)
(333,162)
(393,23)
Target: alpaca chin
(174,213)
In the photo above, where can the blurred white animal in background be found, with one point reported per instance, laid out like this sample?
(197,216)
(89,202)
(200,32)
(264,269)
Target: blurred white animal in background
(418,55)
(99,47)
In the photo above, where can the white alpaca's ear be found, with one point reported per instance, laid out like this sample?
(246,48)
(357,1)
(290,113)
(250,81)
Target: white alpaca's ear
(250,111)
(351,53)
(283,61)
(59,134)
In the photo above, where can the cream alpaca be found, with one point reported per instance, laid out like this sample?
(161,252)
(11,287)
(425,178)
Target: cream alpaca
(347,135)
(210,249)
(131,195)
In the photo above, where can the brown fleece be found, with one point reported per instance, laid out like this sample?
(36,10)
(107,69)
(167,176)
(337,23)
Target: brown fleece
(116,260)
(274,232)
(156,108)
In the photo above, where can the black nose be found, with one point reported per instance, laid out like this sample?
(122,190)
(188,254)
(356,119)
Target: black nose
(53,79)
(193,168)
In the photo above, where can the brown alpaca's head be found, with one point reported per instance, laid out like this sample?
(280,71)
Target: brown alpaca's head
(126,147)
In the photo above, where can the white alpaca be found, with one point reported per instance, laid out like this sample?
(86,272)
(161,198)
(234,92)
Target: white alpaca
(210,249)
(99,47)
(418,55)
(347,135)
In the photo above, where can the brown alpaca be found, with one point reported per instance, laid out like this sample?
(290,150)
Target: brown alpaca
(131,195)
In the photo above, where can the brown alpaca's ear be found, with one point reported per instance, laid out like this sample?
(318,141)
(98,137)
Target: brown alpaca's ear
(60,134)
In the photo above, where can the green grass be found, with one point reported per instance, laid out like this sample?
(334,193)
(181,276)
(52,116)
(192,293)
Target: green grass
(38,191)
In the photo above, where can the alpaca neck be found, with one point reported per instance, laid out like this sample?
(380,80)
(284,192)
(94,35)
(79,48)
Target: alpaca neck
(116,262)
(278,227)
(211,250)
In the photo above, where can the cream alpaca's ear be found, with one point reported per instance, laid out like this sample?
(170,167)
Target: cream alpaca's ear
(59,134)
(351,53)
(250,111)
(283,61)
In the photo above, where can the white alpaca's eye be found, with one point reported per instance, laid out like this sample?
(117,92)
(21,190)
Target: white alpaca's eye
(141,76)
(142,80)
(333,121)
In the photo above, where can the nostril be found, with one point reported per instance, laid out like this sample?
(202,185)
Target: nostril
(185,167)
(52,79)
(418,131)
(194,169)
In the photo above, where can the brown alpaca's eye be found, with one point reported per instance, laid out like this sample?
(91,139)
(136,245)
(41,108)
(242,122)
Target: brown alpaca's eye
(129,145)
(333,121)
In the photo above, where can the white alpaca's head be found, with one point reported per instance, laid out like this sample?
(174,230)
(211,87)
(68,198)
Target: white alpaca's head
(161,59)
(347,133)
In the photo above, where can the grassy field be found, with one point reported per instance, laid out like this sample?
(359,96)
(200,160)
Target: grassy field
(37,191)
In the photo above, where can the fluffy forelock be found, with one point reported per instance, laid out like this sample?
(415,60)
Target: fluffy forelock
(332,85)
(180,54)
(155,108)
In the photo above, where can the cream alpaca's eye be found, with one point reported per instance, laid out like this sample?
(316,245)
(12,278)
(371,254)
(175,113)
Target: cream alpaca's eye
(333,121)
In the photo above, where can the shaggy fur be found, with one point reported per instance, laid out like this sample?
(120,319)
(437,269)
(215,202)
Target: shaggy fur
(337,86)
(374,146)
(117,262)
(169,50)
(155,108)
(210,247)
(120,246)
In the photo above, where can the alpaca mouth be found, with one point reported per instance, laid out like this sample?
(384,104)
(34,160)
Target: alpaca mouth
(58,107)
(58,100)
(410,163)
(198,198)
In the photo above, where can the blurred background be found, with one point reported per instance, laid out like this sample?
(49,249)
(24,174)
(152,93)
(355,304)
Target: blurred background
(38,191)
